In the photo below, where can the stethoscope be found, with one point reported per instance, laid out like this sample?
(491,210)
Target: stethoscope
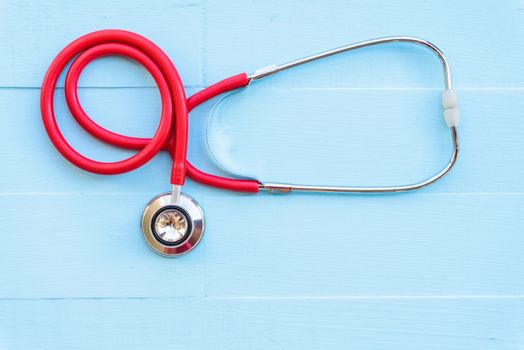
(173,223)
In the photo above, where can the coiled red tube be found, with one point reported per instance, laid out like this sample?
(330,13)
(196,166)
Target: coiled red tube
(172,131)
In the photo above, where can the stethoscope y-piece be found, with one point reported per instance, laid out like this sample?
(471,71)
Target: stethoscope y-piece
(173,223)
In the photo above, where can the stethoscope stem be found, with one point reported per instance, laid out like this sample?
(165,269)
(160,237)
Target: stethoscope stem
(175,194)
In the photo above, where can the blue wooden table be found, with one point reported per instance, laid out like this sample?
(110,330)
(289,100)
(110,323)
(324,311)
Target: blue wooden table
(441,268)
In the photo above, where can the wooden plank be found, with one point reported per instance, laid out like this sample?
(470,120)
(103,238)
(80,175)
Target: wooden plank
(333,136)
(297,245)
(34,32)
(262,324)
(318,245)
(87,246)
(480,41)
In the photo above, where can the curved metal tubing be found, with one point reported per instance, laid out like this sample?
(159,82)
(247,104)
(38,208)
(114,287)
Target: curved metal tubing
(284,188)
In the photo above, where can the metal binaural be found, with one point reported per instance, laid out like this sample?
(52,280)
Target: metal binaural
(285,187)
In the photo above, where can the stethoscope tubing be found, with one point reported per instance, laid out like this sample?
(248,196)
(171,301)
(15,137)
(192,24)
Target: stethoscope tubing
(172,131)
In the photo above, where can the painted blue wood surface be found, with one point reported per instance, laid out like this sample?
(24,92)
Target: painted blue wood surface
(441,268)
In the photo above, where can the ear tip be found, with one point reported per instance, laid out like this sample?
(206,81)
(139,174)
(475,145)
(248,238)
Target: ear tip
(452,116)
(449,98)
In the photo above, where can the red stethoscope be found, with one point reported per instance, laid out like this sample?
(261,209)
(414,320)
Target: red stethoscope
(173,223)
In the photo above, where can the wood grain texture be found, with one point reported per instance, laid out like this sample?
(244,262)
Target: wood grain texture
(482,43)
(455,244)
(337,136)
(454,324)
(440,268)
(35,31)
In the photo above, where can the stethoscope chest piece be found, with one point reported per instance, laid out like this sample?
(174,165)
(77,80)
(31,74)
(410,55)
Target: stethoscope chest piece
(172,227)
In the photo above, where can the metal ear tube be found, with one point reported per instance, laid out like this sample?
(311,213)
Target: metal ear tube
(449,103)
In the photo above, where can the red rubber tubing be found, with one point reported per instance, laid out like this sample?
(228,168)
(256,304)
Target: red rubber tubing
(172,131)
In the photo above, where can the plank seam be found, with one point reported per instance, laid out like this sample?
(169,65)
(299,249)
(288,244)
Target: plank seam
(285,298)
(327,88)
(21,194)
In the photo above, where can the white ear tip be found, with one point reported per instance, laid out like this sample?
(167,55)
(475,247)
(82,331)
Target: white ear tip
(450,105)
(449,98)
(452,116)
